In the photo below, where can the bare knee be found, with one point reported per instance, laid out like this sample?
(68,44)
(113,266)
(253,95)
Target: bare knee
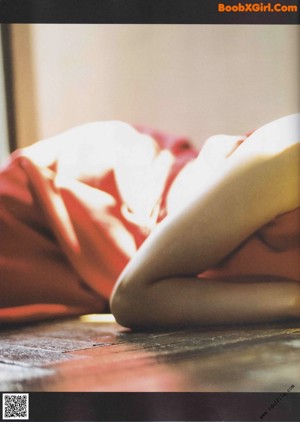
(128,305)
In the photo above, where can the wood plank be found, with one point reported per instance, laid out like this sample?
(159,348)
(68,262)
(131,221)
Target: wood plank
(26,356)
(14,377)
(76,355)
(47,343)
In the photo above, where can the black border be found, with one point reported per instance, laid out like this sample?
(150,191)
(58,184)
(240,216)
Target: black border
(112,407)
(144,407)
(138,11)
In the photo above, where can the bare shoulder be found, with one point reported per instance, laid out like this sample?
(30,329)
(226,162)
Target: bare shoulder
(276,146)
(275,137)
(270,155)
(270,159)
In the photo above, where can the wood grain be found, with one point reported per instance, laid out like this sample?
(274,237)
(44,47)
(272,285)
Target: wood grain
(77,355)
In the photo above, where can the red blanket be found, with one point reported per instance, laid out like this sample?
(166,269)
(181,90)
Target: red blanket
(63,231)
(67,232)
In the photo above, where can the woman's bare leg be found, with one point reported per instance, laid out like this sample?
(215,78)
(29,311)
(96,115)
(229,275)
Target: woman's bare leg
(196,302)
(159,286)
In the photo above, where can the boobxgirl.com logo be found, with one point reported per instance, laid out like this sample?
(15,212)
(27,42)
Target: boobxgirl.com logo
(257,8)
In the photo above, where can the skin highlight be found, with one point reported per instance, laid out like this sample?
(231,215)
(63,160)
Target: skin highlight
(160,286)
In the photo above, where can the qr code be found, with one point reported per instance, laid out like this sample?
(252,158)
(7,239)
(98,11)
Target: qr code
(15,406)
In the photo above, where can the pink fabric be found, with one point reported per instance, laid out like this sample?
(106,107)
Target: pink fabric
(59,254)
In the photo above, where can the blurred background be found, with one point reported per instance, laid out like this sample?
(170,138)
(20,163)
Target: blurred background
(194,80)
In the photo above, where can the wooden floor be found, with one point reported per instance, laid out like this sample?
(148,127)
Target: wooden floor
(96,354)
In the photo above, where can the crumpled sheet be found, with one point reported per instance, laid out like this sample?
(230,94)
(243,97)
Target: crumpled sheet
(65,232)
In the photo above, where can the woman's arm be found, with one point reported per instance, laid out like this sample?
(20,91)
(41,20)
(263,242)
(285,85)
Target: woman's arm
(159,286)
